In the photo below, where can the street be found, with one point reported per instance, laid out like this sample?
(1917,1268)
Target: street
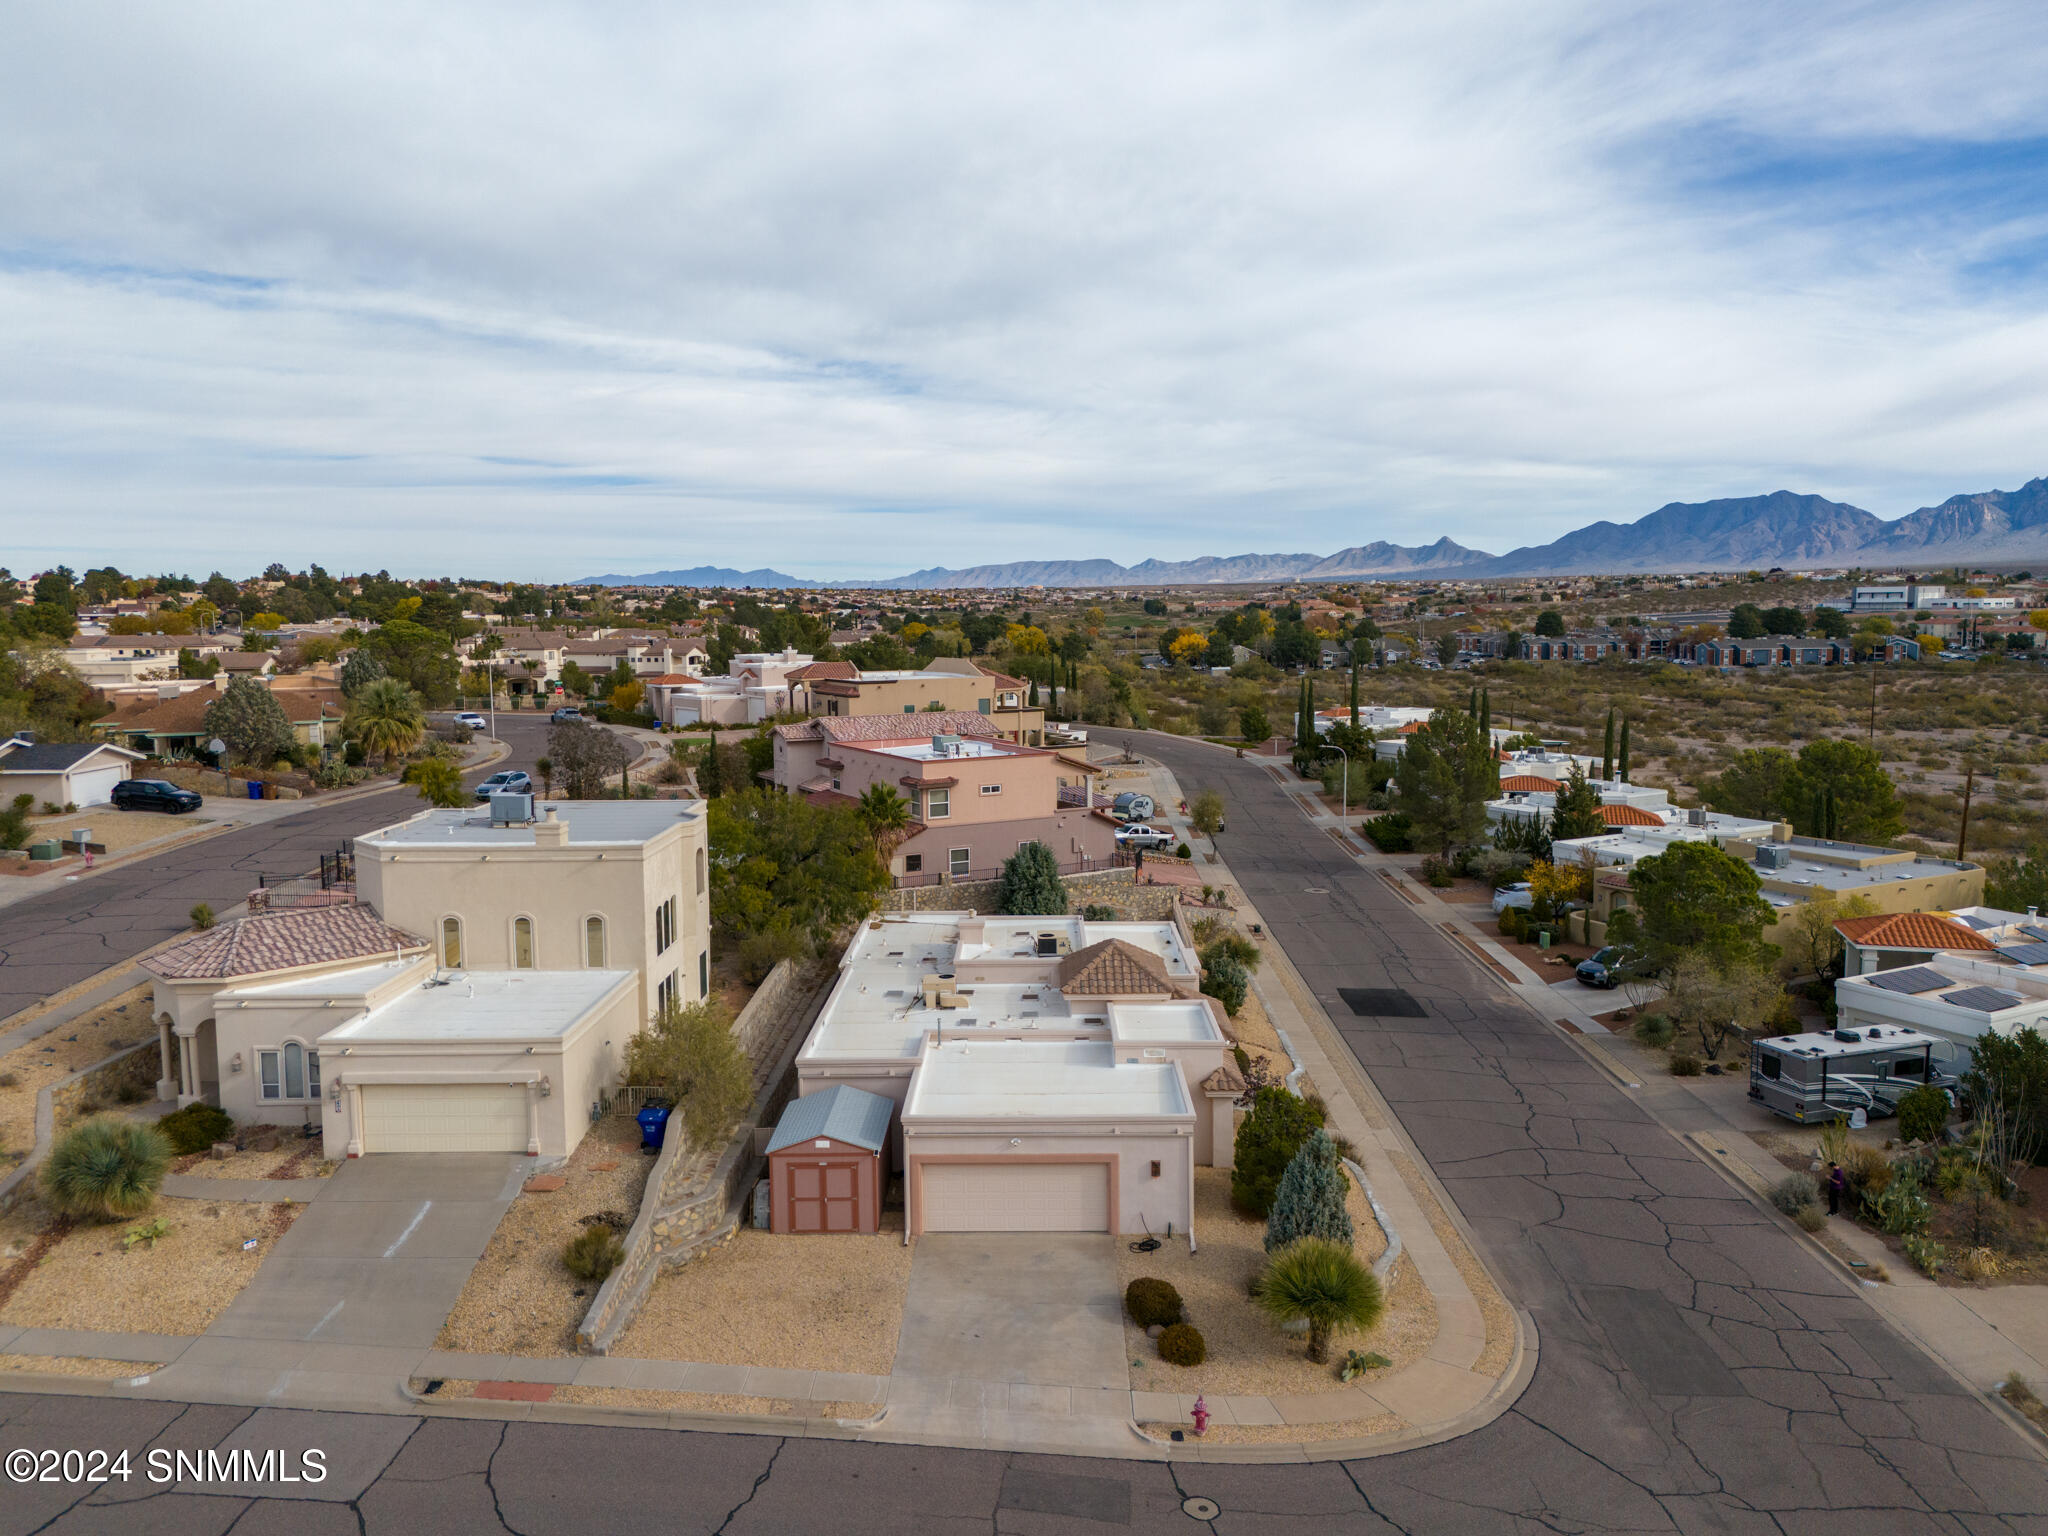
(1698,1370)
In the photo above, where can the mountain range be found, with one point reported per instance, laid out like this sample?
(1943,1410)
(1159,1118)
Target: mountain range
(1735,533)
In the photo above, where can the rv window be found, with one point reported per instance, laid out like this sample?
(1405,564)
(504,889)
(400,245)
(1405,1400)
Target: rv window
(1771,1064)
(1911,1066)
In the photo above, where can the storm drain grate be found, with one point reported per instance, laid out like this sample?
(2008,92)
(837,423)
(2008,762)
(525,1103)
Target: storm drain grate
(1381,1003)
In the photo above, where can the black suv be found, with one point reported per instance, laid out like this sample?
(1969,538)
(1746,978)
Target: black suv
(154,795)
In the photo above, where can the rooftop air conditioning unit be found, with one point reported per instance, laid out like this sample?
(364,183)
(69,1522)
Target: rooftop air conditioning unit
(1695,817)
(945,746)
(511,810)
(1773,858)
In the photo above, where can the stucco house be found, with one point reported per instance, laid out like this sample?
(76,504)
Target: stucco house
(63,773)
(475,992)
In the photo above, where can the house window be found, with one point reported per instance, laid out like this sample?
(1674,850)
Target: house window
(522,943)
(938,804)
(703,973)
(957,862)
(593,942)
(702,878)
(910,709)
(913,863)
(290,1073)
(664,925)
(451,943)
(267,1061)
(982,705)
(991,789)
(665,992)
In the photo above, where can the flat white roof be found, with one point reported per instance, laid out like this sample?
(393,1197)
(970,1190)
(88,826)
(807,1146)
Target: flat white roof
(357,981)
(612,822)
(1044,1080)
(1886,1037)
(925,752)
(1153,1022)
(487,1005)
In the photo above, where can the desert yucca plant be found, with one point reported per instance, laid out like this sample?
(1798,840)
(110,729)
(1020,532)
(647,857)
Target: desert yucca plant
(1322,1284)
(105,1167)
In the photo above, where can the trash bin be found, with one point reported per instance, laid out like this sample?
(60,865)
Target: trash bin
(653,1124)
(255,790)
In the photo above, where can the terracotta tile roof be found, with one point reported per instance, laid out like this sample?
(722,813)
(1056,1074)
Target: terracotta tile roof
(1629,816)
(1527,783)
(1224,1079)
(888,727)
(1001,679)
(281,941)
(1911,930)
(670,679)
(813,672)
(1113,968)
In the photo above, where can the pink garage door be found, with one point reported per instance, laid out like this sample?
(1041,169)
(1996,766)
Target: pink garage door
(1016,1197)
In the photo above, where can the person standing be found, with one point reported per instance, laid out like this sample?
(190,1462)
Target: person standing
(1837,1182)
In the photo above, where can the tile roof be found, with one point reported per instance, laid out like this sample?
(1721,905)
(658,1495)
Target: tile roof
(811,672)
(1527,783)
(1224,1079)
(1629,816)
(281,941)
(1113,968)
(1911,930)
(842,1112)
(888,727)
(183,716)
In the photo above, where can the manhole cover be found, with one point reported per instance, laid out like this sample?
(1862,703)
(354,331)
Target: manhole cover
(1381,1003)
(1201,1508)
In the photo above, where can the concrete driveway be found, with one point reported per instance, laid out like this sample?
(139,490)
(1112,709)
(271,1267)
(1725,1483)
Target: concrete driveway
(1012,1335)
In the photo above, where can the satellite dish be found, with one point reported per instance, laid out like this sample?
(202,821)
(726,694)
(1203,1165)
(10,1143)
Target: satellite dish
(216,746)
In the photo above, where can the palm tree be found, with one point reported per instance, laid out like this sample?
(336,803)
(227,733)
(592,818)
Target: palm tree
(883,809)
(438,781)
(545,767)
(1322,1284)
(385,718)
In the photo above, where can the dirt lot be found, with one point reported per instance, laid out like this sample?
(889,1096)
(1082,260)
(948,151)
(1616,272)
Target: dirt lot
(1247,1354)
(82,1276)
(799,1303)
(117,831)
(520,1300)
(66,1049)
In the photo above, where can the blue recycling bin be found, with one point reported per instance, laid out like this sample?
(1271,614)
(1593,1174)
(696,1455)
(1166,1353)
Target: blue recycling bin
(653,1124)
(255,790)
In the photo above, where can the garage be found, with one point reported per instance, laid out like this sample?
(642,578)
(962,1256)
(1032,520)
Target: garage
(1015,1197)
(445,1117)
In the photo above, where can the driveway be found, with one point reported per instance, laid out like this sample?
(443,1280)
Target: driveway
(363,1280)
(1001,1330)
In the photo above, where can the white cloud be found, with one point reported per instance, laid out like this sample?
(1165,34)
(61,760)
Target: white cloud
(544,290)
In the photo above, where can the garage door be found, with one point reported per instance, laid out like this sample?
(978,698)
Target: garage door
(1016,1197)
(95,786)
(444,1117)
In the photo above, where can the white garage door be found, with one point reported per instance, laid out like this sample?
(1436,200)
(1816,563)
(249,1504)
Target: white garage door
(444,1117)
(1016,1197)
(95,786)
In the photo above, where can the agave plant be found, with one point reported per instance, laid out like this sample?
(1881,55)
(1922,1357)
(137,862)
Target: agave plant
(106,1167)
(1322,1284)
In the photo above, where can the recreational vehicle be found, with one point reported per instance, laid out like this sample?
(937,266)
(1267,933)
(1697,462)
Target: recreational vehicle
(1827,1076)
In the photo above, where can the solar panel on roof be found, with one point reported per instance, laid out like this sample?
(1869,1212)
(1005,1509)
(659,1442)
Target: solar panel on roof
(1984,999)
(1974,922)
(2034,932)
(1916,978)
(2026,954)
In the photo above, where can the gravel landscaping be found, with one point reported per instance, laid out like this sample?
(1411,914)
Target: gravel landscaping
(292,1158)
(801,1303)
(520,1299)
(1247,1355)
(123,1020)
(77,1365)
(116,831)
(1256,1034)
(86,1278)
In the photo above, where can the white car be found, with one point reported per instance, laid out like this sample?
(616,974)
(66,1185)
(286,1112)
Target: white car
(473,720)
(1139,835)
(1516,895)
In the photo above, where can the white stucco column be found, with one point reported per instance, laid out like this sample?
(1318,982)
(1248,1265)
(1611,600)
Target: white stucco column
(166,1083)
(533,1119)
(188,1068)
(352,1107)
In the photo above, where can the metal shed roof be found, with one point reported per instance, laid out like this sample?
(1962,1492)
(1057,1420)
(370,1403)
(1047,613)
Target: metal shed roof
(842,1112)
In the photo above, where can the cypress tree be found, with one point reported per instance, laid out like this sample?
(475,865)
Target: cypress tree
(1309,1201)
(1623,765)
(1607,747)
(1486,719)
(1472,704)
(1354,682)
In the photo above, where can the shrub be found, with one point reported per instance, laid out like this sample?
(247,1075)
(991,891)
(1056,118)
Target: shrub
(1924,1254)
(1183,851)
(1234,944)
(202,916)
(759,953)
(1514,923)
(1655,1030)
(1096,912)
(688,1051)
(1685,1066)
(1182,1344)
(1309,1200)
(1031,884)
(195,1128)
(593,1253)
(1266,1143)
(1922,1113)
(1391,833)
(1811,1218)
(1794,1192)
(1227,981)
(1323,1284)
(105,1168)
(1436,873)
(1150,1300)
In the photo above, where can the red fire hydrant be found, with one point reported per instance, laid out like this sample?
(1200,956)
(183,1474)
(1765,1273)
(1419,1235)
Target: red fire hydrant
(1201,1416)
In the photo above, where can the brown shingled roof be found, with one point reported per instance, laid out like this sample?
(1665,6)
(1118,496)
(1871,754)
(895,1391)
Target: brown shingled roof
(281,941)
(1113,968)
(1911,930)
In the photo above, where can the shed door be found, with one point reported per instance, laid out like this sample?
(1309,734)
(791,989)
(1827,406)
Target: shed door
(444,1117)
(824,1197)
(1015,1197)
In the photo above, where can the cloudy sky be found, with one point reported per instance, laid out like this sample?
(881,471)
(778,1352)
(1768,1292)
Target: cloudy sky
(518,290)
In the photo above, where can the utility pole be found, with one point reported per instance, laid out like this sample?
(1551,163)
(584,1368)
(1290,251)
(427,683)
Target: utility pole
(1963,832)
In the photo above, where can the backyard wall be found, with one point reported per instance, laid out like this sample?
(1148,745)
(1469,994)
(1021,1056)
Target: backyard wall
(1110,887)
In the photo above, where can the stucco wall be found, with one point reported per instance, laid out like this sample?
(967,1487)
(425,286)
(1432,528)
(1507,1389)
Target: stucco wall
(1109,887)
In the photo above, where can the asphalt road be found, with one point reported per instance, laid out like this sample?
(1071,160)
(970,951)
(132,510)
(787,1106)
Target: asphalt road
(54,940)
(1699,1372)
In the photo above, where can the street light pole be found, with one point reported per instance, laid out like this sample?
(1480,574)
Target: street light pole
(1344,796)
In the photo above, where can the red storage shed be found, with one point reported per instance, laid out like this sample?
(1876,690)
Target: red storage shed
(827,1161)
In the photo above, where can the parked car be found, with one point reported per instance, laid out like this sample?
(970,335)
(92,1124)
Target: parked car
(1516,895)
(1605,968)
(1139,835)
(1132,806)
(154,795)
(510,782)
(472,719)
(566,712)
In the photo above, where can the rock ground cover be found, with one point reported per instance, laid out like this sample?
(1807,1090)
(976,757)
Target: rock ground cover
(91,1037)
(116,831)
(77,1365)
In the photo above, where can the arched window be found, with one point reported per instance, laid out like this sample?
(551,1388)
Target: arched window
(700,871)
(522,943)
(451,943)
(593,942)
(294,1070)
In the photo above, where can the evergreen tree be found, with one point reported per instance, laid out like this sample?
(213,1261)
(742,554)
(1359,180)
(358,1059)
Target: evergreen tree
(1354,683)
(1623,763)
(1472,704)
(1266,1143)
(251,721)
(1607,748)
(1031,884)
(1310,1199)
(360,670)
(1578,808)
(1486,718)
(710,782)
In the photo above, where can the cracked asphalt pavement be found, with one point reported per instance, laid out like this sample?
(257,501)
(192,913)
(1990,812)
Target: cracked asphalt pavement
(1699,1370)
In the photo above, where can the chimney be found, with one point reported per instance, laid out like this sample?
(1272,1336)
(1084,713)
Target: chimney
(551,832)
